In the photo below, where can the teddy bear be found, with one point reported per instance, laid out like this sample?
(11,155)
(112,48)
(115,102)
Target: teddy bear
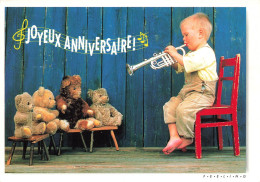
(104,112)
(23,116)
(44,101)
(71,106)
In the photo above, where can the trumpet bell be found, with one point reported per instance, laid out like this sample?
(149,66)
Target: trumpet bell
(129,69)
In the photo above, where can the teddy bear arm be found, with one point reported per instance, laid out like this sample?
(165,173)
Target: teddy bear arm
(21,118)
(60,102)
(55,112)
(47,116)
(87,110)
(98,115)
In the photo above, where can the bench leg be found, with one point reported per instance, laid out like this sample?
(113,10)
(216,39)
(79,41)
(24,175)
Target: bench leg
(11,154)
(46,151)
(25,144)
(60,143)
(41,150)
(91,141)
(83,141)
(31,154)
(114,139)
(52,144)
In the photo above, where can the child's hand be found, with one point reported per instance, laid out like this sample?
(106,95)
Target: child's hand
(174,54)
(171,50)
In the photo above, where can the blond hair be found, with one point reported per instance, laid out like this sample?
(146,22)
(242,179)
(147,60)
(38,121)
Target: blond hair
(201,21)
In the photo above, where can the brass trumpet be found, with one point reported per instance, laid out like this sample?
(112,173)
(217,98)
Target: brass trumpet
(167,60)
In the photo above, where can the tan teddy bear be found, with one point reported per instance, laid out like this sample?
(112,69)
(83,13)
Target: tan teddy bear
(104,112)
(43,100)
(23,116)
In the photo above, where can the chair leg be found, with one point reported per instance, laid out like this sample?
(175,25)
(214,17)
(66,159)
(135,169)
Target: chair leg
(25,144)
(91,141)
(11,154)
(198,150)
(31,154)
(236,138)
(114,139)
(220,138)
(83,141)
(60,143)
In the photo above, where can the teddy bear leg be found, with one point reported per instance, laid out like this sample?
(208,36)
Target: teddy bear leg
(39,129)
(26,132)
(51,128)
(62,124)
(84,124)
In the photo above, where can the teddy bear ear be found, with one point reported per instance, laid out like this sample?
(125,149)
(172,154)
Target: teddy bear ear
(65,82)
(90,93)
(18,99)
(41,91)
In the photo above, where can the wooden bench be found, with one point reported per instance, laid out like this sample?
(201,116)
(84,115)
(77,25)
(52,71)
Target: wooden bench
(32,140)
(72,131)
(111,128)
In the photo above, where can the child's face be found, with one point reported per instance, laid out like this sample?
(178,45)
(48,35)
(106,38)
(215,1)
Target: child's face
(191,36)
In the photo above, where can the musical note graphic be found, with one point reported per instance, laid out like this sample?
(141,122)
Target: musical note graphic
(19,35)
(143,39)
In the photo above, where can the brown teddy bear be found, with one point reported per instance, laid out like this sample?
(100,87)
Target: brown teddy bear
(43,100)
(104,112)
(71,106)
(23,116)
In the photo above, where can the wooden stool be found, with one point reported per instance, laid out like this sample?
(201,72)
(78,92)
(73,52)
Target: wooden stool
(32,140)
(72,131)
(111,128)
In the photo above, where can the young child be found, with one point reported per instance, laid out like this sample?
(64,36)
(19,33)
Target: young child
(198,92)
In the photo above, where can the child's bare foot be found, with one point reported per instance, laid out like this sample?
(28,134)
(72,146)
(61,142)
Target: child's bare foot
(185,143)
(173,144)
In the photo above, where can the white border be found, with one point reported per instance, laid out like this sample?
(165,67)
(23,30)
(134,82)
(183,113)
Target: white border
(253,101)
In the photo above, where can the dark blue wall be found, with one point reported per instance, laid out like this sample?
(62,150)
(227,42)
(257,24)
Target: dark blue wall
(139,98)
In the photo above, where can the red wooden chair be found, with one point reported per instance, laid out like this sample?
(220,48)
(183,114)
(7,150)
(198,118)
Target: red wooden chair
(219,109)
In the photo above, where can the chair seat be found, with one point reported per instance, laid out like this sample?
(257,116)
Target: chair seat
(216,110)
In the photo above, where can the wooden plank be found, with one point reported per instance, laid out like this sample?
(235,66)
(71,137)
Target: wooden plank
(13,66)
(113,66)
(34,138)
(157,83)
(104,128)
(178,14)
(94,62)
(230,39)
(76,63)
(33,52)
(54,57)
(135,87)
(136,160)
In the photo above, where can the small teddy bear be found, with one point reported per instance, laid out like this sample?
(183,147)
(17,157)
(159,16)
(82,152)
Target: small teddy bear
(71,106)
(23,116)
(104,112)
(43,100)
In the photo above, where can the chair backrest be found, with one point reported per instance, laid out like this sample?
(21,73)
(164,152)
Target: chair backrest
(235,78)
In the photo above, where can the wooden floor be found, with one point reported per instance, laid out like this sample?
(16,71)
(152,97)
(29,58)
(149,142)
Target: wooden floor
(130,160)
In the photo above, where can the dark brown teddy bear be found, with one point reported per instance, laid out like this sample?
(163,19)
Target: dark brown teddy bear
(70,104)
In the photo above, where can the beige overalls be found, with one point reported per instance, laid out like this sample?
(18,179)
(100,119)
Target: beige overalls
(195,95)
